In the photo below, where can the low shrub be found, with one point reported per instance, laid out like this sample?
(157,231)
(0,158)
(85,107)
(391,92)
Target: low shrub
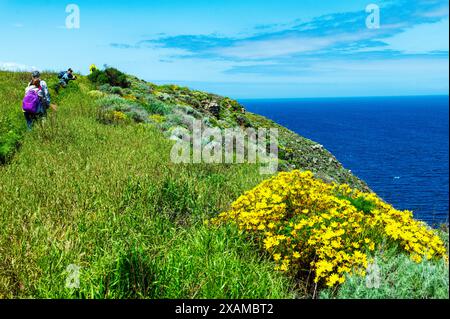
(154,106)
(157,118)
(113,117)
(396,276)
(116,90)
(96,94)
(114,103)
(109,76)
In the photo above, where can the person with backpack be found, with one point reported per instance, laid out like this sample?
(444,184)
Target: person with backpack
(31,104)
(65,77)
(43,92)
(37,99)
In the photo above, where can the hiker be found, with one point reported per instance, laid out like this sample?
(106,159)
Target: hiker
(65,77)
(36,100)
(43,92)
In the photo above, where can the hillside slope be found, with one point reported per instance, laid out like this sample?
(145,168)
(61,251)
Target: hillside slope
(178,106)
(108,200)
(93,188)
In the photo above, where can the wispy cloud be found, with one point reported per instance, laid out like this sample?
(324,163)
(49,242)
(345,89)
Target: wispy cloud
(334,34)
(13,66)
(123,46)
(407,51)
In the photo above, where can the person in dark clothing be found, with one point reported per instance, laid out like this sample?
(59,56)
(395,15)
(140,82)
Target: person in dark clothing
(67,77)
(64,78)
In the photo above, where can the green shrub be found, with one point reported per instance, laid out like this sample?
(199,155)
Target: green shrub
(105,88)
(98,77)
(109,76)
(116,90)
(114,103)
(157,118)
(96,94)
(154,106)
(113,117)
(139,115)
(189,110)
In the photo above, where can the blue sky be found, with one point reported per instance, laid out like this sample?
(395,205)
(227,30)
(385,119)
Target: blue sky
(243,49)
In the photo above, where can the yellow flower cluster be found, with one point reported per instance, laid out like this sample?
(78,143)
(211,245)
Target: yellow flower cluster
(157,118)
(119,116)
(130,97)
(307,224)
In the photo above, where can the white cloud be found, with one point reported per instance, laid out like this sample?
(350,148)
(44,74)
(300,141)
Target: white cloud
(13,66)
(287,46)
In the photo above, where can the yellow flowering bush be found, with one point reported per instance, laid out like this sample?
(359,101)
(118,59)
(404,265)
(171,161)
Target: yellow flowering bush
(130,97)
(329,229)
(113,117)
(119,116)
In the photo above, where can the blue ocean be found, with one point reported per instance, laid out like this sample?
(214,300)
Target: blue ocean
(398,145)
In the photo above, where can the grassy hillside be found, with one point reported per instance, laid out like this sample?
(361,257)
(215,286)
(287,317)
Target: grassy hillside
(109,200)
(93,186)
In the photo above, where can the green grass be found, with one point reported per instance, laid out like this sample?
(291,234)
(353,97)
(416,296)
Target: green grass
(108,199)
(12,124)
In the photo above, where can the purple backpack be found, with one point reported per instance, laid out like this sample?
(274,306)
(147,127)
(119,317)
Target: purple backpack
(31,102)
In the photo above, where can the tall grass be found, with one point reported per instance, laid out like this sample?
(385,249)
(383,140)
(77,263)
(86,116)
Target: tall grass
(12,124)
(108,199)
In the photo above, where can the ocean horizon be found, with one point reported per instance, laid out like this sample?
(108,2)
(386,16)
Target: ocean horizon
(399,145)
(250,99)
